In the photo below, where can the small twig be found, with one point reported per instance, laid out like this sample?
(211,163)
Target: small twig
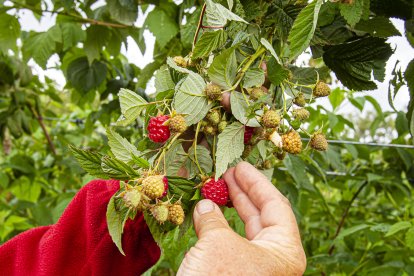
(42,125)
(85,20)
(212,27)
(195,148)
(200,23)
(345,215)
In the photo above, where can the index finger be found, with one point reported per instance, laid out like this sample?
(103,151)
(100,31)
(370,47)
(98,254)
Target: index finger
(275,209)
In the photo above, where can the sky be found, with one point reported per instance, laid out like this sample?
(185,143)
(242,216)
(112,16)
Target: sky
(404,53)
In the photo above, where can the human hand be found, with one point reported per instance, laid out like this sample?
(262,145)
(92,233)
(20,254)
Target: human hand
(272,245)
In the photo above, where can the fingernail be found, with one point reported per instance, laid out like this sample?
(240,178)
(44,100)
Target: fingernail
(205,206)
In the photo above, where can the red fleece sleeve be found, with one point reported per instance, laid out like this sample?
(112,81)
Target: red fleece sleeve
(79,243)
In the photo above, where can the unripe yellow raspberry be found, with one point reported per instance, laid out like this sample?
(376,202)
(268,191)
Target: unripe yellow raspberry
(318,142)
(301,114)
(292,142)
(153,186)
(176,214)
(321,90)
(271,119)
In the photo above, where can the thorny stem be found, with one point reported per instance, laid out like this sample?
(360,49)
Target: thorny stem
(214,149)
(82,19)
(284,99)
(165,149)
(42,125)
(258,53)
(298,84)
(200,23)
(345,215)
(195,148)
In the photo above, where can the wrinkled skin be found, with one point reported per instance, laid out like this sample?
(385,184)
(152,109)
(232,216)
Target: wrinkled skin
(272,245)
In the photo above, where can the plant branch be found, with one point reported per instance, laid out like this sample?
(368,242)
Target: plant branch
(42,125)
(200,23)
(345,215)
(83,20)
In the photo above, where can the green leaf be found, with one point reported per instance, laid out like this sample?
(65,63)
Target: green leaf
(303,29)
(116,219)
(72,33)
(208,42)
(175,158)
(297,169)
(40,46)
(90,161)
(124,11)
(217,15)
(378,27)
(163,80)
(162,26)
(84,77)
(352,230)
(190,99)
(397,227)
(204,160)
(336,97)
(354,62)
(409,78)
(276,72)
(116,169)
(96,38)
(25,189)
(223,70)
(229,147)
(131,103)
(270,48)
(409,238)
(254,77)
(10,32)
(354,12)
(239,108)
(140,162)
(121,147)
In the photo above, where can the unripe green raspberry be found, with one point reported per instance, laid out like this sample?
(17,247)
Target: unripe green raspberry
(160,212)
(210,130)
(257,93)
(221,126)
(321,90)
(132,198)
(213,92)
(271,119)
(180,61)
(301,114)
(300,100)
(177,124)
(213,117)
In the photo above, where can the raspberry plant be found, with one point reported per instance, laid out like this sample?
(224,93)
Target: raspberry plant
(231,59)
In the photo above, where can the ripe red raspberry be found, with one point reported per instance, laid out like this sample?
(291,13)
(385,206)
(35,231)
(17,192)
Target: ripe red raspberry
(157,131)
(216,191)
(248,133)
(165,180)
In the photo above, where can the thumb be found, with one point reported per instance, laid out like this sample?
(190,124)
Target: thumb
(207,217)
